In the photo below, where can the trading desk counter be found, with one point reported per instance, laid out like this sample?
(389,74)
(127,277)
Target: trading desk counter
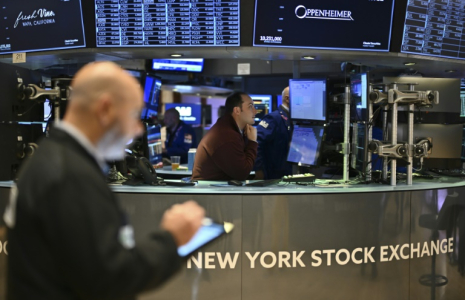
(327,241)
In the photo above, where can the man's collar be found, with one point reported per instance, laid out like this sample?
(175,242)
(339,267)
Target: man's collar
(74,132)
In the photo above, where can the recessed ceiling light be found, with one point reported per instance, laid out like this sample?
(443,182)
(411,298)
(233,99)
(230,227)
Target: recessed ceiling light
(450,71)
(410,63)
(308,57)
(176,55)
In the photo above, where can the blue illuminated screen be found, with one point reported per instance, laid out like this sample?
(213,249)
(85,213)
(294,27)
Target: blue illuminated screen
(182,65)
(190,113)
(305,145)
(151,97)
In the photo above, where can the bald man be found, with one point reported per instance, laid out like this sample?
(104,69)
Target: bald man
(274,137)
(67,236)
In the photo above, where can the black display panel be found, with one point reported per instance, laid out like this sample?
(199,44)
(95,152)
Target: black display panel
(435,28)
(31,25)
(140,23)
(324,24)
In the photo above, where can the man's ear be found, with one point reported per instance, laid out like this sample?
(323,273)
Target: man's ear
(105,110)
(237,110)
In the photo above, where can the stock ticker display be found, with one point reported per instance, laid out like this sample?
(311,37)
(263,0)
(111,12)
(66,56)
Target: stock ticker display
(337,24)
(435,28)
(144,23)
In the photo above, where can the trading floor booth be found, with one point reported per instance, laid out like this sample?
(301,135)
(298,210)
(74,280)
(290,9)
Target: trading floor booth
(312,242)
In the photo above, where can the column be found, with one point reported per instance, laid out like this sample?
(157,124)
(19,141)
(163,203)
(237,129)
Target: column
(155,20)
(107,22)
(452,31)
(131,21)
(227,22)
(435,27)
(178,22)
(202,20)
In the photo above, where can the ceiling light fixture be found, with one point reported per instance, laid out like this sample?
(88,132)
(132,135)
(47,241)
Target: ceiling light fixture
(308,57)
(410,63)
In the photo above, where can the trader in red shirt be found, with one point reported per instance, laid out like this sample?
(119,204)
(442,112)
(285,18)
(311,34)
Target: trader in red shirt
(229,149)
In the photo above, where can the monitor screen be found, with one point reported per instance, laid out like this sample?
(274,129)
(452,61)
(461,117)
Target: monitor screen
(359,89)
(434,28)
(31,25)
(152,90)
(305,145)
(154,144)
(167,23)
(262,111)
(448,88)
(306,24)
(262,105)
(279,100)
(190,113)
(181,65)
(359,141)
(446,139)
(307,99)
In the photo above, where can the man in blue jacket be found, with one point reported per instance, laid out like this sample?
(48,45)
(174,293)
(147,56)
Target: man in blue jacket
(180,137)
(274,137)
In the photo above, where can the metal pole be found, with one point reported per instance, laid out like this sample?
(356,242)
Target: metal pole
(385,136)
(394,142)
(346,151)
(393,134)
(411,109)
(368,138)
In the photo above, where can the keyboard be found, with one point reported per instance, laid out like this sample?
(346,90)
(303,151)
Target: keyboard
(263,183)
(448,173)
(307,177)
(178,183)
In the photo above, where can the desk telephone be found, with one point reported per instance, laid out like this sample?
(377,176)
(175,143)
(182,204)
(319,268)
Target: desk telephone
(142,170)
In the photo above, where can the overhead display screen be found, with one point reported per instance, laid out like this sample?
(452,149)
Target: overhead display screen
(149,23)
(324,24)
(435,28)
(31,25)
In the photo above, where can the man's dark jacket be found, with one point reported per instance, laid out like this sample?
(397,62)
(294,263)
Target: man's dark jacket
(274,138)
(65,243)
(224,153)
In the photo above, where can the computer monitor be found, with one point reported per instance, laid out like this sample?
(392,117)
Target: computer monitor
(305,145)
(279,101)
(154,144)
(262,111)
(359,157)
(359,94)
(262,104)
(152,90)
(182,65)
(31,25)
(261,99)
(308,99)
(190,113)
(447,143)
